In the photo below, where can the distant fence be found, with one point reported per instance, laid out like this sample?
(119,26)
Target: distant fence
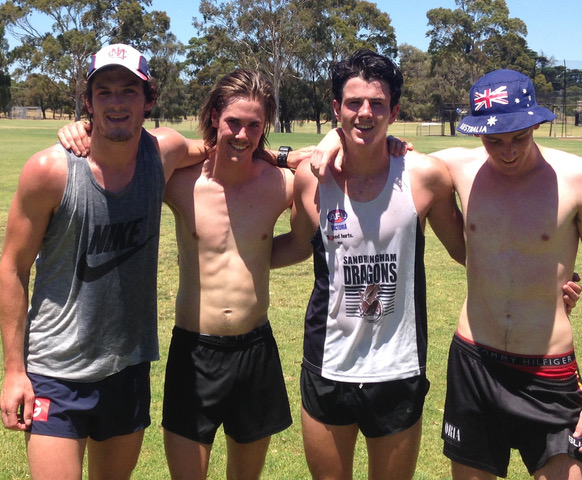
(26,113)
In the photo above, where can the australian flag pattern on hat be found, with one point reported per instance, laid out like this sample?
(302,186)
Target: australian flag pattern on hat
(503,101)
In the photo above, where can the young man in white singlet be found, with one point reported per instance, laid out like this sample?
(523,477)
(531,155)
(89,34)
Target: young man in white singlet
(365,334)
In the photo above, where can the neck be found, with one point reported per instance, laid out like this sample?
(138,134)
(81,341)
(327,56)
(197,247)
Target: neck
(107,152)
(230,172)
(365,160)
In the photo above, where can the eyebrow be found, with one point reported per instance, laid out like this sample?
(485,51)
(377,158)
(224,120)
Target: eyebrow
(358,97)
(234,117)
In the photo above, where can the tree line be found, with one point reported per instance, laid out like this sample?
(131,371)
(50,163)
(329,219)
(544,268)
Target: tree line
(293,42)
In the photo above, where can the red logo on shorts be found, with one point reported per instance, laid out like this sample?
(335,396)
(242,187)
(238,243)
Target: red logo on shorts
(41,409)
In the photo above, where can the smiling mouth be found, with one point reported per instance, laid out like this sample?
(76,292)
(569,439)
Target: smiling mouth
(238,147)
(117,118)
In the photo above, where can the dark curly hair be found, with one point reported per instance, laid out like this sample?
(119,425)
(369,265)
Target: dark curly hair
(368,65)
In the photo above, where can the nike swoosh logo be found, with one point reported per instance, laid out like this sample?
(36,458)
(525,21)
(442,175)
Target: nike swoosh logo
(87,273)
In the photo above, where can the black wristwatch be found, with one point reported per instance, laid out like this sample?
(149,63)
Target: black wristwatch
(282,157)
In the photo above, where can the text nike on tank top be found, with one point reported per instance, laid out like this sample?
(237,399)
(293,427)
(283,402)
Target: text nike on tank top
(94,303)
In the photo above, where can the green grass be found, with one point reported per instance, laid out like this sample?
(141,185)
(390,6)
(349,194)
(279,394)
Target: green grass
(290,289)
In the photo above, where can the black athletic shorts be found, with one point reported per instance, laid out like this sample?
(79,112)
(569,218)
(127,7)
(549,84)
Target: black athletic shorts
(492,407)
(236,381)
(117,405)
(379,409)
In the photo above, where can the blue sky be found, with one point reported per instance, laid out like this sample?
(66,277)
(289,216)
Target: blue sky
(554,26)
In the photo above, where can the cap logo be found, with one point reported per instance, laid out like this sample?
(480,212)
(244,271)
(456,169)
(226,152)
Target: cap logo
(118,52)
(489,97)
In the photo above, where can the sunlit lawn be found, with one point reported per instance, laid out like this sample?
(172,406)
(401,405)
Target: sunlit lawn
(290,289)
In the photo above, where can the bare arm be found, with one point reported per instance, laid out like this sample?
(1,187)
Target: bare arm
(294,158)
(331,149)
(436,199)
(447,222)
(176,150)
(38,195)
(295,246)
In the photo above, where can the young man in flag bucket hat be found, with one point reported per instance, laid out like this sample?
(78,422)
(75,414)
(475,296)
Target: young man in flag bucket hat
(512,377)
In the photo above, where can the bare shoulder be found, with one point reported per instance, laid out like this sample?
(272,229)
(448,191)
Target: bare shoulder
(162,133)
(427,168)
(561,160)
(187,174)
(43,177)
(273,181)
(167,139)
(46,168)
(304,177)
(460,154)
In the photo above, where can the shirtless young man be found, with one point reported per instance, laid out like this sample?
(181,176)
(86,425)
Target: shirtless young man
(512,373)
(77,362)
(223,366)
(365,334)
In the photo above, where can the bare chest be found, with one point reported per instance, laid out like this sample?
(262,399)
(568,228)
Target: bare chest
(236,219)
(526,215)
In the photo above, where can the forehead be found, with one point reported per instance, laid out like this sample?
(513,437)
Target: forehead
(508,135)
(359,87)
(246,108)
(115,75)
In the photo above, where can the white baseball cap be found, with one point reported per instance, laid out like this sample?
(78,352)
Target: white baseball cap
(123,55)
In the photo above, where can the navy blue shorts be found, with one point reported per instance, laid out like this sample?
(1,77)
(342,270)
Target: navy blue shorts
(379,409)
(236,381)
(117,405)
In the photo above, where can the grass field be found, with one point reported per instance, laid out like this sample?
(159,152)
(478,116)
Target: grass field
(290,290)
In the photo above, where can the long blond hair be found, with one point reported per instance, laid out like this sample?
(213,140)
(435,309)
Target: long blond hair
(241,83)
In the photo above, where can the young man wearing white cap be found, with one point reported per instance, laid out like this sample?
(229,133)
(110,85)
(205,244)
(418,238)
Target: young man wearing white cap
(77,363)
(512,375)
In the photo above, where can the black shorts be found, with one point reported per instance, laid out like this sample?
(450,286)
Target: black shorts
(236,381)
(379,409)
(117,405)
(492,407)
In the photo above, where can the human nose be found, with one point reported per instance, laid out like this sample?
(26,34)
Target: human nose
(509,151)
(116,99)
(241,133)
(365,109)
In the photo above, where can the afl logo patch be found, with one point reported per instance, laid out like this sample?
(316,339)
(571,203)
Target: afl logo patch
(337,216)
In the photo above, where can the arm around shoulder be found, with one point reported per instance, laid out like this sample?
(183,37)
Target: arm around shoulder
(178,151)
(295,245)
(443,213)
